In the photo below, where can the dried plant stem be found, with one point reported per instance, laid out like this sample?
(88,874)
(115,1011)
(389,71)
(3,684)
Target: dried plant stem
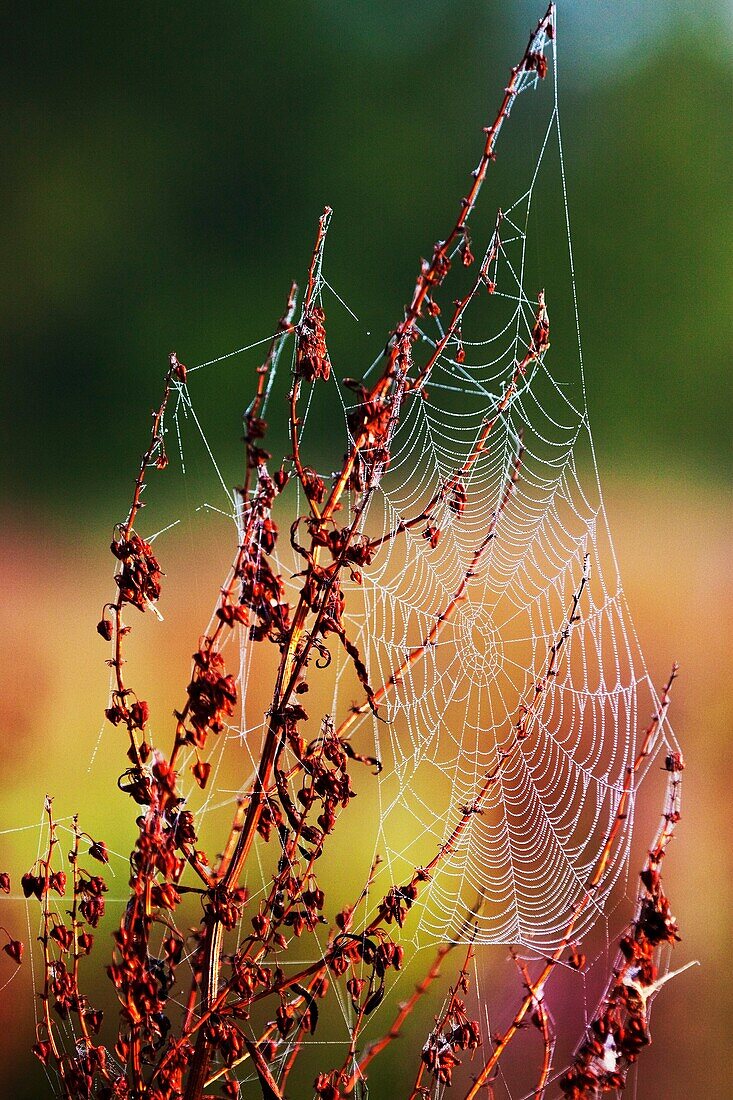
(622,1016)
(268,1084)
(542,1021)
(155,452)
(405,1010)
(284,328)
(75,924)
(453,1002)
(46,945)
(536,987)
(246,833)
(308,301)
(303,1026)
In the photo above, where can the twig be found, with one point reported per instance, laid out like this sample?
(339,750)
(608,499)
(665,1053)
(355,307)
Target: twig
(404,1011)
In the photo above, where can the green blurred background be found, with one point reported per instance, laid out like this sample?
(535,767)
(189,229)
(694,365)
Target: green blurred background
(165,165)
(164,169)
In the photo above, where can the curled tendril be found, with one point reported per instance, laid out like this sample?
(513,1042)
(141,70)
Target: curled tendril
(324,655)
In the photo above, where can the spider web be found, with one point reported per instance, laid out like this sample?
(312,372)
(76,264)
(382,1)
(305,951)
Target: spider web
(456,671)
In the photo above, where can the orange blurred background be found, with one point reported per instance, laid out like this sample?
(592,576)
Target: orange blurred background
(673,545)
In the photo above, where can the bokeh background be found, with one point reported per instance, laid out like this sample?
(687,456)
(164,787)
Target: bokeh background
(164,168)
